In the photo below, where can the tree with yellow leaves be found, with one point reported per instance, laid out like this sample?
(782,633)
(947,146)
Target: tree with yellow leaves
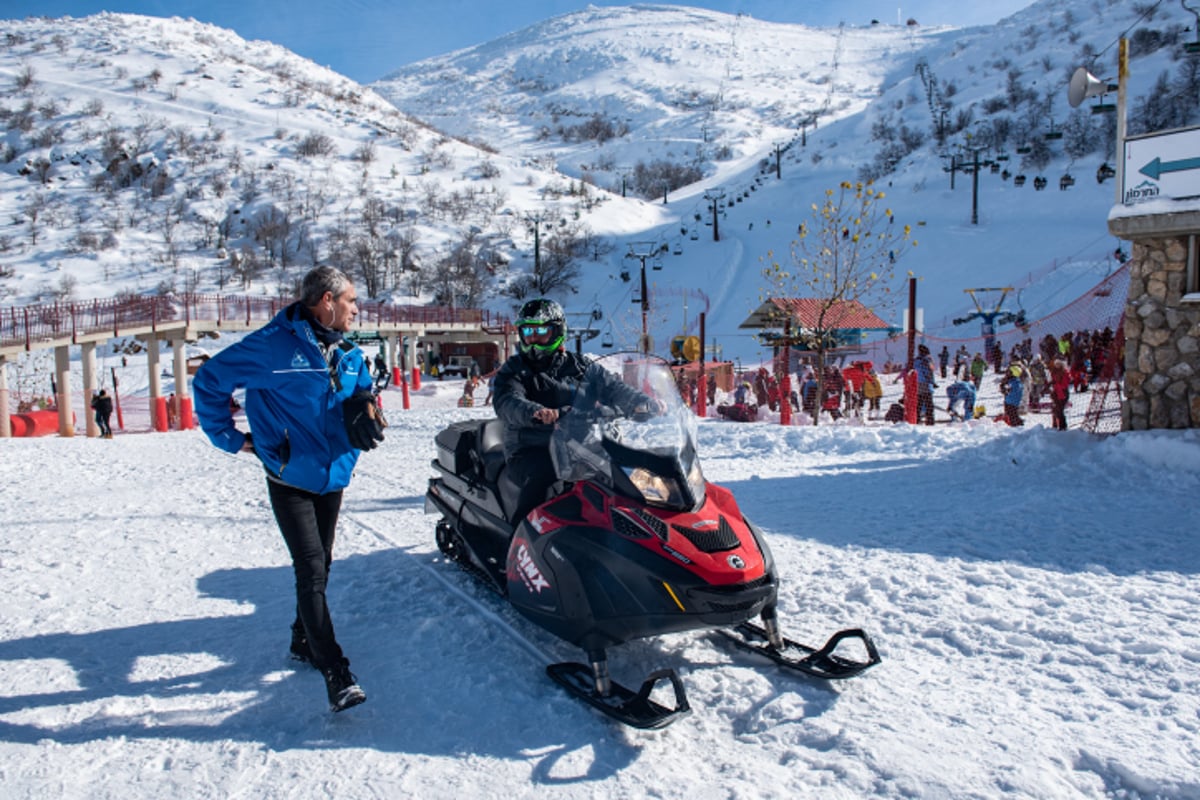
(844,256)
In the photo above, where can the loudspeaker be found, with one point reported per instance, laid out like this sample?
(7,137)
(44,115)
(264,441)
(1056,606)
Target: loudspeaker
(1084,85)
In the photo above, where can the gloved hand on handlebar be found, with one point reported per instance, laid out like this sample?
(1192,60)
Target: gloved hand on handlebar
(363,420)
(644,411)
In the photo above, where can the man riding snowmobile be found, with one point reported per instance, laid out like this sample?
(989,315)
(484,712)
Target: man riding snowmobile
(535,386)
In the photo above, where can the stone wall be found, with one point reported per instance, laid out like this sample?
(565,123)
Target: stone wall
(1162,339)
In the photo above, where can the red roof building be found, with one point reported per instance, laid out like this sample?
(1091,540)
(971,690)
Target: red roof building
(806,313)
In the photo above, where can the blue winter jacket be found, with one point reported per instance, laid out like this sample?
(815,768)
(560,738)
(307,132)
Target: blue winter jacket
(1012,396)
(293,401)
(964,391)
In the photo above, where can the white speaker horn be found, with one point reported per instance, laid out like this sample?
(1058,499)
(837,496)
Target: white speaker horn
(1084,85)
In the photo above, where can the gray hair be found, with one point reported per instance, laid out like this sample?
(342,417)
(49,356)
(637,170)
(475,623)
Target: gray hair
(321,280)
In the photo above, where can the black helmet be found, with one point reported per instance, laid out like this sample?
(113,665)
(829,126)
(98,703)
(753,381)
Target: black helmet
(541,329)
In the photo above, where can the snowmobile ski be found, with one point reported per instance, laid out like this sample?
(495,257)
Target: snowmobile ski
(635,709)
(818,662)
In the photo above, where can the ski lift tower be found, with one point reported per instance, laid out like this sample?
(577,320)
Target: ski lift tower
(642,251)
(582,326)
(991,317)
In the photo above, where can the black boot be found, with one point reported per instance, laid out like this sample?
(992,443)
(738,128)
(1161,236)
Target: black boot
(343,687)
(300,651)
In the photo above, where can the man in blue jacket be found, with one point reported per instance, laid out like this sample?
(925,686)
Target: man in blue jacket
(311,410)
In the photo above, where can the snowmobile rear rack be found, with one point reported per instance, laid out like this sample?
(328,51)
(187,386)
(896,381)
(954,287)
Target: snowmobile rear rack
(818,662)
(635,709)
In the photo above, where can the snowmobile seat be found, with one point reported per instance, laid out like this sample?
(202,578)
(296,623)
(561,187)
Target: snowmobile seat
(489,452)
(490,445)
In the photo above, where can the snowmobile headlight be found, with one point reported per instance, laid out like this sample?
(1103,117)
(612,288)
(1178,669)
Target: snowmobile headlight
(656,489)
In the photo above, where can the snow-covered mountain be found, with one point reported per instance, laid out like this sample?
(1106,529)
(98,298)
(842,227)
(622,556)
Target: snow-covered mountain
(152,154)
(145,154)
(597,91)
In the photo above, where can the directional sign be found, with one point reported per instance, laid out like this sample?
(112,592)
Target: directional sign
(1158,167)
(1162,166)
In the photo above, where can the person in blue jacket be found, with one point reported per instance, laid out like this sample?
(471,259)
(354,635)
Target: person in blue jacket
(926,383)
(311,411)
(1013,388)
(961,391)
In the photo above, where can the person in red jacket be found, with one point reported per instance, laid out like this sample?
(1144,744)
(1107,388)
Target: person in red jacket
(1060,390)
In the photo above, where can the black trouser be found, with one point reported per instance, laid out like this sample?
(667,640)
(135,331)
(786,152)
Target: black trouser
(307,522)
(533,471)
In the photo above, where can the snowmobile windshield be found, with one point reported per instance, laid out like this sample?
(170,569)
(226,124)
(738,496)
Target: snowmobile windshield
(630,430)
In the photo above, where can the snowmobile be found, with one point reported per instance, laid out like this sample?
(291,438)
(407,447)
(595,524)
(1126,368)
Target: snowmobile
(739,412)
(631,543)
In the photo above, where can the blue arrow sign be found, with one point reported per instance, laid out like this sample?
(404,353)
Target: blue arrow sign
(1158,166)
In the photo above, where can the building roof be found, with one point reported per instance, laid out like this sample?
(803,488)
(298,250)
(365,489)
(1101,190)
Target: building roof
(841,315)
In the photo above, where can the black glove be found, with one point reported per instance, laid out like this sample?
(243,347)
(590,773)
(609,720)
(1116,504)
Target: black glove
(364,421)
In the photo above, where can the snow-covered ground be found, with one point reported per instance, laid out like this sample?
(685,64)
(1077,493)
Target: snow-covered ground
(1035,596)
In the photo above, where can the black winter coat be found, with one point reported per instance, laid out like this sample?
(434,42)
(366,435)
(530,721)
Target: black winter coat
(102,405)
(521,390)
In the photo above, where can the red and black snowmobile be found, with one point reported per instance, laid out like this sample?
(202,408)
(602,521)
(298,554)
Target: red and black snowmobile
(632,543)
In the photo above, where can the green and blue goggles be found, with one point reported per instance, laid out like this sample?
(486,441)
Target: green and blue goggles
(530,332)
(540,335)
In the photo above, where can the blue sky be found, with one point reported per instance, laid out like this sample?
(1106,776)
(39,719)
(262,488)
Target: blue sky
(365,39)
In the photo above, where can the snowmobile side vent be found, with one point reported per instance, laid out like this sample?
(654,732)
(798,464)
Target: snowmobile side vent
(711,541)
(738,588)
(568,508)
(732,607)
(657,525)
(627,527)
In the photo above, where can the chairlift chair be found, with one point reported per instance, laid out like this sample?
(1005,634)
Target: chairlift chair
(1039,183)
(1019,180)
(606,341)
(1104,172)
(1066,182)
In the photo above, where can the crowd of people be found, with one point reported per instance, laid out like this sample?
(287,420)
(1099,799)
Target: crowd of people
(1029,379)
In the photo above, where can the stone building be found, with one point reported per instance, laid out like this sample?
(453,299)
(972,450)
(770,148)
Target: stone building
(1162,313)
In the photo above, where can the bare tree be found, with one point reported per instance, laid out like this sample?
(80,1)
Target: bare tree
(845,256)
(34,211)
(561,250)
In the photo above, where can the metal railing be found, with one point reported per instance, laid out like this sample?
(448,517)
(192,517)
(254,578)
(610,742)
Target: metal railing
(26,326)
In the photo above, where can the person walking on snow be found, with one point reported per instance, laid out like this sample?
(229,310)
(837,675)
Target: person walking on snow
(102,404)
(311,412)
